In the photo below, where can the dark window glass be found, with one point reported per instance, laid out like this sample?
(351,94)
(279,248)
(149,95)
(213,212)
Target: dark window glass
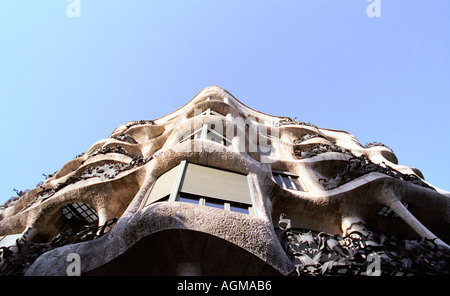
(388,212)
(297,184)
(278,180)
(81,212)
(165,198)
(214,203)
(240,208)
(189,198)
(287,182)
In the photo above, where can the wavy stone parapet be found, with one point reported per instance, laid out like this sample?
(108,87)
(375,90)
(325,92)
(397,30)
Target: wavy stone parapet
(115,174)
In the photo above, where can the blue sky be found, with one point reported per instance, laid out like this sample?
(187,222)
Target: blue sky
(67,82)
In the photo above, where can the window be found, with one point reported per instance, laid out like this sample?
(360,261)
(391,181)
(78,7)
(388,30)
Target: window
(261,142)
(218,138)
(189,198)
(207,132)
(80,212)
(388,212)
(214,203)
(194,136)
(209,111)
(240,208)
(205,186)
(287,180)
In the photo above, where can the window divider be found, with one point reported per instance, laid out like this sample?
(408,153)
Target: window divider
(282,177)
(179,176)
(204,131)
(251,210)
(292,182)
(219,135)
(147,194)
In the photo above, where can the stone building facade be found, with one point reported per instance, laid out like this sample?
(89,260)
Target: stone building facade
(217,188)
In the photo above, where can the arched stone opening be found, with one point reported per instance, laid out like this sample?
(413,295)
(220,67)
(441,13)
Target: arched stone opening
(185,252)
(70,217)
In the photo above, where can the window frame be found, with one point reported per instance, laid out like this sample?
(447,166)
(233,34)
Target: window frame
(202,134)
(296,186)
(227,205)
(177,193)
(387,212)
(82,212)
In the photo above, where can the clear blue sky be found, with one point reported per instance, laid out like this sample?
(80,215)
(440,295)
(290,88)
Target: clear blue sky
(66,83)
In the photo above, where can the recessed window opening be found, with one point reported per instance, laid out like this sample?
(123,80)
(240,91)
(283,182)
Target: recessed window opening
(205,186)
(260,141)
(388,212)
(194,136)
(209,111)
(207,132)
(214,203)
(269,133)
(80,213)
(218,138)
(288,181)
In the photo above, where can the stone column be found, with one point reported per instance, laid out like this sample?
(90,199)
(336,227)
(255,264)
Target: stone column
(415,224)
